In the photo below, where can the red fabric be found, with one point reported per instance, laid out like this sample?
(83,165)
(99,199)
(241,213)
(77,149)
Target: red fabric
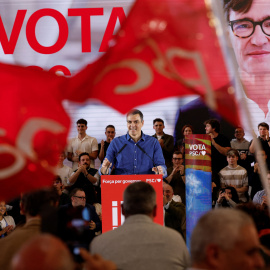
(33,128)
(154,57)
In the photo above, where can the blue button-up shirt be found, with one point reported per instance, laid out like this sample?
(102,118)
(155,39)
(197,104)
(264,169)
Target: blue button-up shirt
(132,160)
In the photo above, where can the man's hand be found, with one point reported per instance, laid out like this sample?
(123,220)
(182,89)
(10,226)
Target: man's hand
(102,143)
(8,229)
(92,225)
(176,170)
(267,135)
(165,200)
(82,169)
(105,165)
(264,201)
(158,170)
(256,167)
(212,138)
(182,169)
(220,197)
(96,262)
(161,142)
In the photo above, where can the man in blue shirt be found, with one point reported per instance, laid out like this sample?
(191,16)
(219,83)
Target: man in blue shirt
(135,152)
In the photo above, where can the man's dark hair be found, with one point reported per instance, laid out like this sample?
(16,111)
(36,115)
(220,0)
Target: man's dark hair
(110,126)
(82,121)
(134,112)
(34,203)
(74,191)
(58,178)
(158,120)
(263,124)
(214,123)
(83,154)
(177,153)
(233,152)
(241,6)
(139,198)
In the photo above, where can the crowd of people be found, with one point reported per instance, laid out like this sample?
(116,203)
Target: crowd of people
(235,166)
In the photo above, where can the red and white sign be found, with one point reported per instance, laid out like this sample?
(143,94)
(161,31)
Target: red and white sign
(113,186)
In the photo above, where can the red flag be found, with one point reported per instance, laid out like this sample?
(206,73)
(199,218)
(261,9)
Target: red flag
(33,129)
(165,48)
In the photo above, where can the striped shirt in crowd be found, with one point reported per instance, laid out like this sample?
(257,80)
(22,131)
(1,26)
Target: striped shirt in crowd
(234,177)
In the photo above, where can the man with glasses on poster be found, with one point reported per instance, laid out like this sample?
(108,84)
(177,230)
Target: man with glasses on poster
(249,30)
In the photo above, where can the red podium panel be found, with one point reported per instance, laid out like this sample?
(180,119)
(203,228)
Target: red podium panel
(112,188)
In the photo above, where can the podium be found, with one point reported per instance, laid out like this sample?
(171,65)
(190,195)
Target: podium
(112,189)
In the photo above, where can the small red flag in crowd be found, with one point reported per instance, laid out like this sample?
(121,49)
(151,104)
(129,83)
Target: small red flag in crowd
(165,48)
(33,130)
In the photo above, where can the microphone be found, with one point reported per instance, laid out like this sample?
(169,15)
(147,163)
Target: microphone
(122,148)
(148,156)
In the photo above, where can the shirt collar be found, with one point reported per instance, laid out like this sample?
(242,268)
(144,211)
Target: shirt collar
(129,138)
(85,137)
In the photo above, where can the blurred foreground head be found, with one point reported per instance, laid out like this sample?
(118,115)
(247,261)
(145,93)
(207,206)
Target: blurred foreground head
(43,252)
(34,203)
(225,239)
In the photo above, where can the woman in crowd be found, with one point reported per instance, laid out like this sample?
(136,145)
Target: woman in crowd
(228,197)
(180,144)
(7,223)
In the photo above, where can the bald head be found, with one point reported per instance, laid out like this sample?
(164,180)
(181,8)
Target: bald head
(43,252)
(168,191)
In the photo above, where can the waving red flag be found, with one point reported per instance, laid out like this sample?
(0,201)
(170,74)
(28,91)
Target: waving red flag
(33,128)
(165,48)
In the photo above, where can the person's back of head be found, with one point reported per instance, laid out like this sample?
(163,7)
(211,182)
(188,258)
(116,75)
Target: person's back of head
(43,252)
(34,203)
(139,198)
(219,227)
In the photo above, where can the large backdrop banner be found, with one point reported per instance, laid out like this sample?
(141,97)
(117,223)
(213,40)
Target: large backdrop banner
(166,60)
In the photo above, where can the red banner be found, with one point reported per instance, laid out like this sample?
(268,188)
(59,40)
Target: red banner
(113,186)
(164,49)
(33,128)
